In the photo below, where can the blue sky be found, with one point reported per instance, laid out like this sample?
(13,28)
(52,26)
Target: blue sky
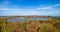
(29,7)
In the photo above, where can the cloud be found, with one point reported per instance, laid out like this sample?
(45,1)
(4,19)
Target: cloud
(48,7)
(49,10)
(8,9)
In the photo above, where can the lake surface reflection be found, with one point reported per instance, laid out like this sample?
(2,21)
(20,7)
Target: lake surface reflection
(23,19)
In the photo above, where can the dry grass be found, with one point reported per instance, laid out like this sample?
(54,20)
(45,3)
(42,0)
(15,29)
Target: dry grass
(30,26)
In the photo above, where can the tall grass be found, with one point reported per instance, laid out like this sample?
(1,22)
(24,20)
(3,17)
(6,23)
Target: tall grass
(30,26)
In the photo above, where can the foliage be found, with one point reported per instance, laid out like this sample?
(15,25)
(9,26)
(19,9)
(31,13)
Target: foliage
(30,25)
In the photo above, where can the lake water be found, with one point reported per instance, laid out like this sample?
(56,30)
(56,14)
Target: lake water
(23,19)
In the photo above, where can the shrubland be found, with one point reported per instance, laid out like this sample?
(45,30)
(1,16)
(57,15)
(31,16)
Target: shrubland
(52,25)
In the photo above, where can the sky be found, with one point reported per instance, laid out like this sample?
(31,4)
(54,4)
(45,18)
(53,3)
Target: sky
(29,7)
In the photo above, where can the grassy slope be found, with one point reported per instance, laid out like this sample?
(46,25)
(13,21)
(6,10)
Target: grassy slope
(30,26)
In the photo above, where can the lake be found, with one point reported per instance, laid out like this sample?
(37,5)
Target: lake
(23,19)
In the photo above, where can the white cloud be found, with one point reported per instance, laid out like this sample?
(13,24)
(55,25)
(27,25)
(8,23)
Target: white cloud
(8,9)
(48,7)
(49,10)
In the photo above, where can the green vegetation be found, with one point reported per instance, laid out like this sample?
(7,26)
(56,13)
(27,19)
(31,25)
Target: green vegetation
(30,25)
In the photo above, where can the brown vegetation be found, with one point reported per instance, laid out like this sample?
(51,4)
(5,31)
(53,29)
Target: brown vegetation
(30,26)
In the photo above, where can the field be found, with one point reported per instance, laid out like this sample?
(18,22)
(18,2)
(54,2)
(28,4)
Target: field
(52,25)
